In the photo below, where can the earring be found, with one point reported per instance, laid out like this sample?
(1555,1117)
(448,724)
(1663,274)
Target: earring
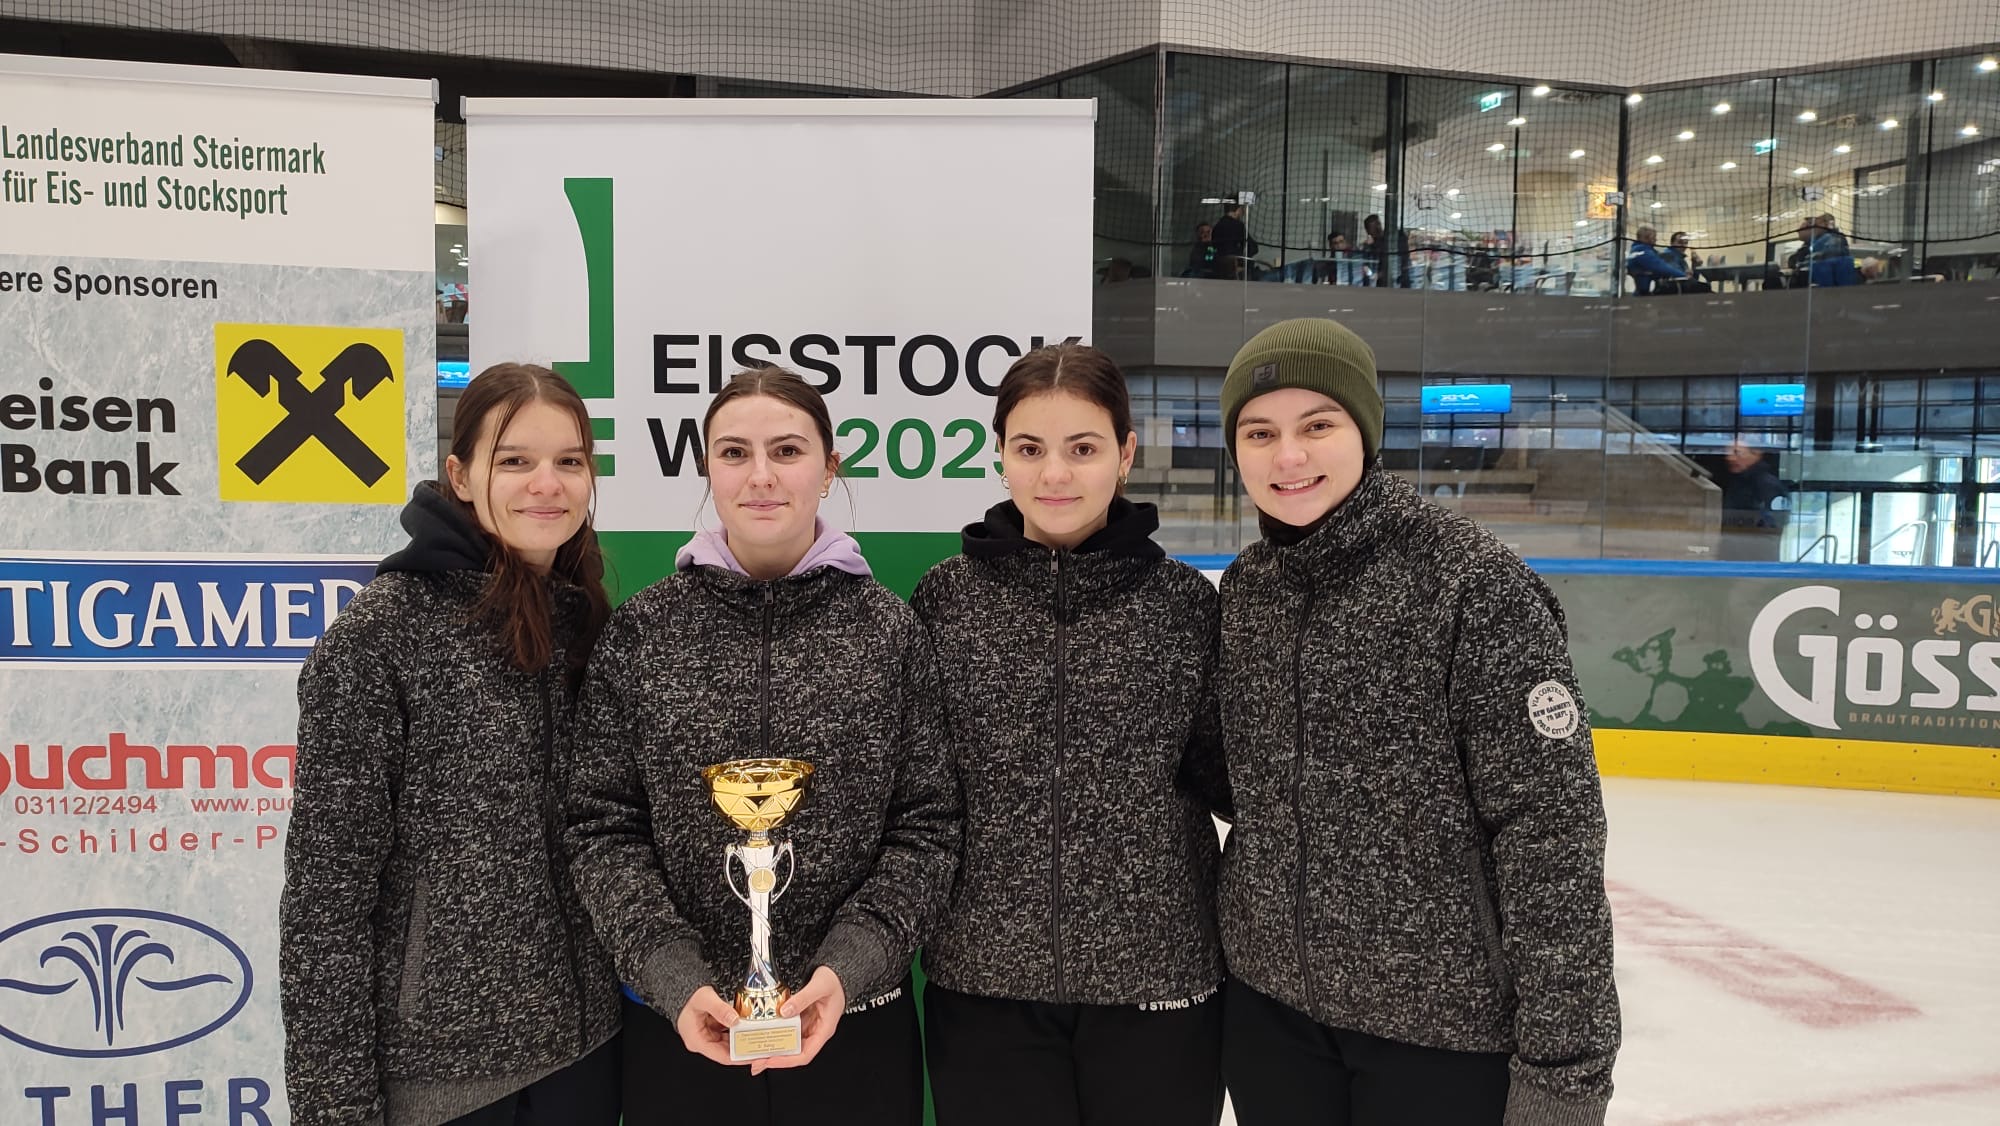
(826,492)
(1121,479)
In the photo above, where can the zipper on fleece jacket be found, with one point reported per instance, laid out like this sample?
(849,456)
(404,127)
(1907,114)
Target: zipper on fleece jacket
(764,673)
(1298,792)
(553,837)
(1056,785)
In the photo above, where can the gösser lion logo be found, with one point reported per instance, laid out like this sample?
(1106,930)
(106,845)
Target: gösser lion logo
(117,982)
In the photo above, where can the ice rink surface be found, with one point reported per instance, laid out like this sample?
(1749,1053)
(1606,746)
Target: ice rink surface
(1790,955)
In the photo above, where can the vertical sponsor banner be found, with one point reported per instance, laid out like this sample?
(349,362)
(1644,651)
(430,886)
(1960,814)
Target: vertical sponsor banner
(898,254)
(215,388)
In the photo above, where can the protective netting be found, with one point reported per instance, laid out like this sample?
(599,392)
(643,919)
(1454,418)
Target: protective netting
(1326,113)
(1426,144)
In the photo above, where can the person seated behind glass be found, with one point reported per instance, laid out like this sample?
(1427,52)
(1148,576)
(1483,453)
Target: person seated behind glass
(1482,268)
(1832,263)
(1681,253)
(1793,274)
(1342,265)
(1649,271)
(1201,257)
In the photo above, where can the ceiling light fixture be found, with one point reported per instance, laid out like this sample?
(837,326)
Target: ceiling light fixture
(1518,122)
(1937,95)
(1634,98)
(1808,115)
(1843,149)
(1656,158)
(1801,170)
(1496,147)
(1539,92)
(1970,130)
(1889,123)
(1728,165)
(1576,154)
(1684,135)
(1720,108)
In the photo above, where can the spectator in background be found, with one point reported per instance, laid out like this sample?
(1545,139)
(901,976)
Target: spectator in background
(1681,254)
(1754,504)
(1233,243)
(1649,271)
(1343,267)
(1375,251)
(1832,263)
(1794,274)
(1201,258)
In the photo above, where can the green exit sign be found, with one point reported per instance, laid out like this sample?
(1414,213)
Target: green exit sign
(1491,101)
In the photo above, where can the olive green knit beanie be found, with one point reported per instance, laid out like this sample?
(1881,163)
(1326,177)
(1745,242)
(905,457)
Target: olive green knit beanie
(1313,353)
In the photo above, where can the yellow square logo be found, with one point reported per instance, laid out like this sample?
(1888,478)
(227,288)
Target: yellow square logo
(308,413)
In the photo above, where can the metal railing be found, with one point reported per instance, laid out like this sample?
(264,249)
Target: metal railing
(1923,528)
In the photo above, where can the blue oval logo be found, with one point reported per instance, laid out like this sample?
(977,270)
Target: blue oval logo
(117,982)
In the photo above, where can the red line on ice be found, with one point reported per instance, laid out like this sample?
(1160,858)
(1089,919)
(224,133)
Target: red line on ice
(1750,968)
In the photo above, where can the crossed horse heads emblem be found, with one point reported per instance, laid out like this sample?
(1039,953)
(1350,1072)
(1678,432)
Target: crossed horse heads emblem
(311,412)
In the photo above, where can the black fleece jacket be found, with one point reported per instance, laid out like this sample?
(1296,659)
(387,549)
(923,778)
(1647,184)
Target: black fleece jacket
(433,953)
(707,665)
(1080,692)
(1418,851)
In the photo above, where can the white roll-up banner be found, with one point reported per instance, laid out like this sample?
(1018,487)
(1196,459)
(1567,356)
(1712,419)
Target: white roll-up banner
(899,254)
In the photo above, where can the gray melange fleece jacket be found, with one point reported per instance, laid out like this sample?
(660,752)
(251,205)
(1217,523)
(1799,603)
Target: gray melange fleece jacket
(1080,689)
(707,665)
(1415,855)
(433,954)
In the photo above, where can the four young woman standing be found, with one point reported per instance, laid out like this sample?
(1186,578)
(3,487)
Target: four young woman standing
(1015,772)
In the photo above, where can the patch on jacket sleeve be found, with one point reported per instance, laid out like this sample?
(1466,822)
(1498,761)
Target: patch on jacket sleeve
(1552,709)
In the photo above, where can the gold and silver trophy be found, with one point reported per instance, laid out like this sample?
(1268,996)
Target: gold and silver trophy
(757,795)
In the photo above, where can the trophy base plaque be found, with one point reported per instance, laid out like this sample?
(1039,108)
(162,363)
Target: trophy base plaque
(764,1039)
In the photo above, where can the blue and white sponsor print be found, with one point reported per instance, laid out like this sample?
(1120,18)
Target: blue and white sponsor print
(170,611)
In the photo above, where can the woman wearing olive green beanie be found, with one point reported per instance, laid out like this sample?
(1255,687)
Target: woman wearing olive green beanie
(1412,901)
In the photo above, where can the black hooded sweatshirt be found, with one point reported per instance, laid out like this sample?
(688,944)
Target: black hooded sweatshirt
(433,953)
(1079,687)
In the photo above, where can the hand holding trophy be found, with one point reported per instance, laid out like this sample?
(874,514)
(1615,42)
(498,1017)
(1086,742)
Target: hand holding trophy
(757,795)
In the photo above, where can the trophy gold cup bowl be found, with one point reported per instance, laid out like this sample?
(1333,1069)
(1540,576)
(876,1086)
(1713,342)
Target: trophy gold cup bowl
(757,795)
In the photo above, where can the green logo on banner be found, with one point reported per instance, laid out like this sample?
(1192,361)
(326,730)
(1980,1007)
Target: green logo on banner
(595,377)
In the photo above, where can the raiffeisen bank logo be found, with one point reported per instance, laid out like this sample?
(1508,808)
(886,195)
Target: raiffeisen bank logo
(117,982)
(1858,670)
